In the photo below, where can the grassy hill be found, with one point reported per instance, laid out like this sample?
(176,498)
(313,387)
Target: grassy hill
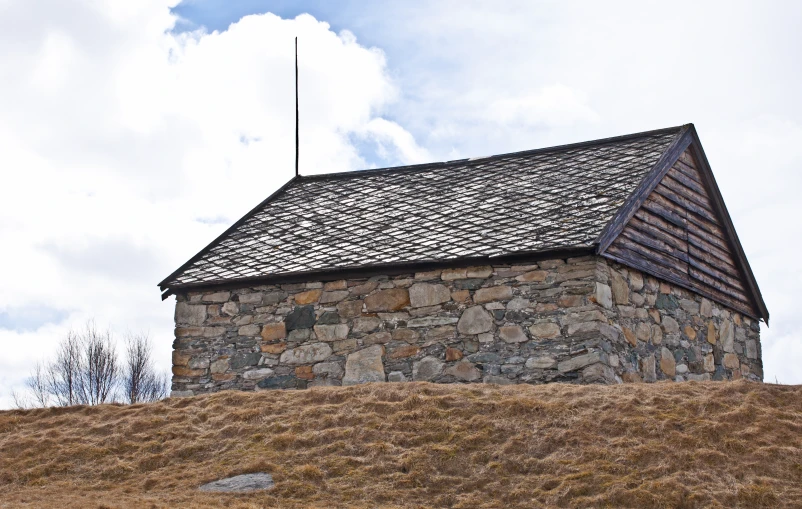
(419,445)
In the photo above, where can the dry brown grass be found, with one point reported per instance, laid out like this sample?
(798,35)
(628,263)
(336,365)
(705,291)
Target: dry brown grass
(419,445)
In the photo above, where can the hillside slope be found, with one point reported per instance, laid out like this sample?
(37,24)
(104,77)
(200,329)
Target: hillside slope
(419,445)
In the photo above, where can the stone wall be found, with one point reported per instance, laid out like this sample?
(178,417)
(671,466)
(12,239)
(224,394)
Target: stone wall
(582,320)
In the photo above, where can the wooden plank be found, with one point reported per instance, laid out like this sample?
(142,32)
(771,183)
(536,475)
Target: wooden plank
(698,244)
(665,213)
(684,203)
(675,266)
(657,223)
(688,182)
(648,229)
(712,271)
(713,260)
(715,283)
(654,243)
(687,158)
(699,199)
(688,170)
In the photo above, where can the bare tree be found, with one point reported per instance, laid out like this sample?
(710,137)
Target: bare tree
(38,386)
(140,381)
(100,373)
(63,374)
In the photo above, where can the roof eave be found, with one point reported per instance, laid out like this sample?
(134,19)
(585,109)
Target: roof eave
(364,271)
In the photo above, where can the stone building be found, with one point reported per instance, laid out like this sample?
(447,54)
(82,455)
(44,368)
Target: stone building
(600,262)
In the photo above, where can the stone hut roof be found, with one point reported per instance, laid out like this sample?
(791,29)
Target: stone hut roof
(559,200)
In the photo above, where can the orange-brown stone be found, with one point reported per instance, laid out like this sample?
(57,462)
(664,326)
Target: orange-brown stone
(461,295)
(453,354)
(183,371)
(631,338)
(273,331)
(404,352)
(387,300)
(690,332)
(274,348)
(308,297)
(304,373)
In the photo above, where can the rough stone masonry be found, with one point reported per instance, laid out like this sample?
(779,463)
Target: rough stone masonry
(581,320)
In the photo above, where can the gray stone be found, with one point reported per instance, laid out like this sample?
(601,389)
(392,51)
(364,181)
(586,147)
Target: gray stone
(649,369)
(364,366)
(332,297)
(518,303)
(306,354)
(604,296)
(331,332)
(544,362)
(485,337)
(427,368)
(619,287)
(464,371)
(666,302)
(242,360)
(670,325)
(475,320)
(432,321)
(217,297)
(278,382)
(545,330)
(274,297)
(498,380)
(219,366)
(751,349)
(329,318)
(302,317)
(396,376)
(597,373)
(468,284)
(249,330)
(198,363)
(230,308)
(329,369)
(425,294)
(706,308)
(250,298)
(580,361)
(190,314)
(181,394)
(485,357)
(512,334)
(367,324)
(257,374)
(690,306)
(726,336)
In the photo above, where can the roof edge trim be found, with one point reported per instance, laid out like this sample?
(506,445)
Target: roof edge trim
(732,236)
(483,159)
(164,283)
(647,185)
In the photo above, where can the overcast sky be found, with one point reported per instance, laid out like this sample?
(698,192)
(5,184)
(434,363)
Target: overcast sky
(133,133)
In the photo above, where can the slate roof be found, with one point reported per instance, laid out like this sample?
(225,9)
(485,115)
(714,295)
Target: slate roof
(525,202)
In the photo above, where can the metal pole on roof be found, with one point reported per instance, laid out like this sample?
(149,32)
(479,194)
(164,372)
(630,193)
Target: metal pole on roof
(296,106)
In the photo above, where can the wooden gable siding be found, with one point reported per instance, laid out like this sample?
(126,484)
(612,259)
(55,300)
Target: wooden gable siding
(677,235)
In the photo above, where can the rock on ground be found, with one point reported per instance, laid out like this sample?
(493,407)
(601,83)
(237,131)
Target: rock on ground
(241,483)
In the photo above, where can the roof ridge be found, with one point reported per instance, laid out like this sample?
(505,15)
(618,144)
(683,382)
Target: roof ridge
(483,159)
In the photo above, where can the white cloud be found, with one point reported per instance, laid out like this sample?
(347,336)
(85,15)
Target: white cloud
(126,148)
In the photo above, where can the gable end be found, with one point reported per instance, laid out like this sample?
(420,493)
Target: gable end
(681,232)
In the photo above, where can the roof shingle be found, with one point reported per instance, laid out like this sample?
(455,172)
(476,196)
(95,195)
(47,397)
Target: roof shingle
(560,197)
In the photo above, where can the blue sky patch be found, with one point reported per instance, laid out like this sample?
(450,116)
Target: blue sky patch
(30,318)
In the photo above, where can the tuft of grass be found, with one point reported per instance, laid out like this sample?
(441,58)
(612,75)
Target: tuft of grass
(412,445)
